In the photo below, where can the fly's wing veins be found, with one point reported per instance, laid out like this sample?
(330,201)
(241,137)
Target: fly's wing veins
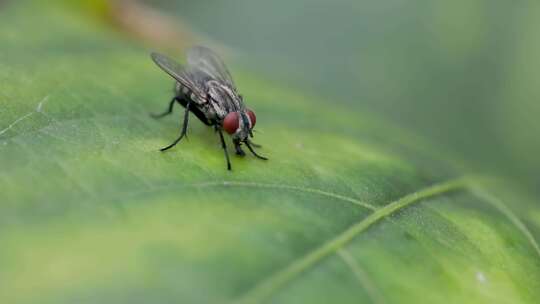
(206,65)
(178,72)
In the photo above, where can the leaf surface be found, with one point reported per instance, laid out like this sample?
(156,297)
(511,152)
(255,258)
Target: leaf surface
(347,210)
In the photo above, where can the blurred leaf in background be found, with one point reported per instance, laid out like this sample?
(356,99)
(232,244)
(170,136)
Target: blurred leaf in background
(352,207)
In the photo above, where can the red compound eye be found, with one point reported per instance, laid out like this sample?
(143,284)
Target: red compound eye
(252,117)
(230,123)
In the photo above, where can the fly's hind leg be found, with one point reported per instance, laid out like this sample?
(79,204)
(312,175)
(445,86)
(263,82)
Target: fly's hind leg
(184,128)
(168,111)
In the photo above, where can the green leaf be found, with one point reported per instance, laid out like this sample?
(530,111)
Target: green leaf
(348,209)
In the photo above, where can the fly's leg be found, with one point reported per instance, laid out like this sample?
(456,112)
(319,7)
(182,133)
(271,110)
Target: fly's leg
(238,149)
(169,110)
(248,144)
(184,128)
(254,145)
(224,146)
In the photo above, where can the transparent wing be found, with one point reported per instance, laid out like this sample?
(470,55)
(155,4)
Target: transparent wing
(178,72)
(204,64)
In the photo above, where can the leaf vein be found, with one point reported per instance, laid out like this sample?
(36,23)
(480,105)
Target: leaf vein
(274,282)
(361,276)
(293,188)
(39,109)
(514,219)
(250,184)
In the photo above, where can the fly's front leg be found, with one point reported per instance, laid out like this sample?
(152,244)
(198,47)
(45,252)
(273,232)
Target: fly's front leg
(254,145)
(238,149)
(184,128)
(168,111)
(248,144)
(224,146)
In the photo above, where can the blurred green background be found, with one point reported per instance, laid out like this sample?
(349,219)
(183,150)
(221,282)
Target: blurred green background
(464,73)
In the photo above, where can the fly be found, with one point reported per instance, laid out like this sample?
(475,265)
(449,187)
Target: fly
(205,88)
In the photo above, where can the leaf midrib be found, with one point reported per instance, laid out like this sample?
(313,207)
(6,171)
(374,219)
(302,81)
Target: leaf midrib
(265,288)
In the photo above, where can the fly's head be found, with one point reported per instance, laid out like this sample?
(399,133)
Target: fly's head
(239,124)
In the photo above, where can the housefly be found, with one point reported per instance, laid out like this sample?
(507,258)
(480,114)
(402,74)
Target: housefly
(205,88)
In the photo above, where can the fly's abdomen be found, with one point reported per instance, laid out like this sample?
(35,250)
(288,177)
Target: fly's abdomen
(186,93)
(204,107)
